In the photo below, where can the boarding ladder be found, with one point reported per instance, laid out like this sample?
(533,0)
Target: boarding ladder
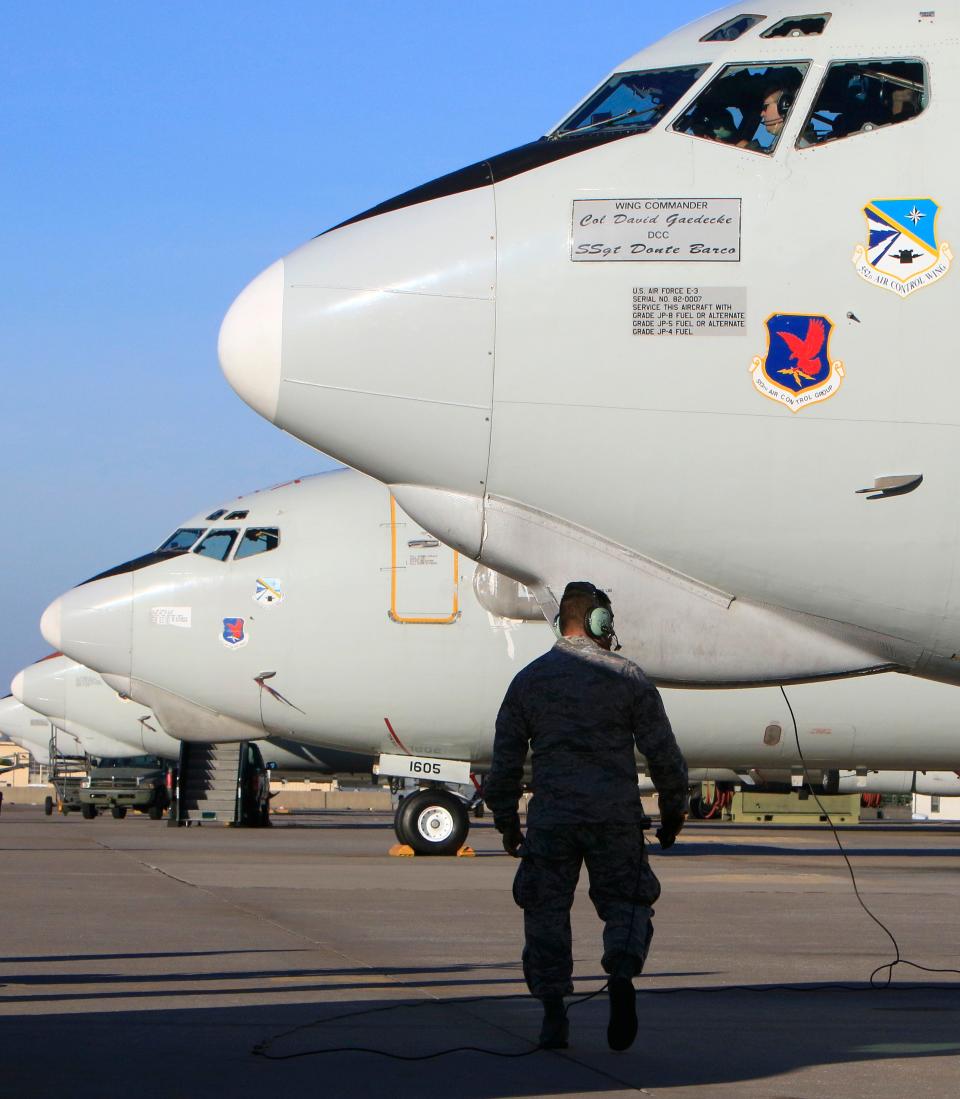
(208,787)
(67,775)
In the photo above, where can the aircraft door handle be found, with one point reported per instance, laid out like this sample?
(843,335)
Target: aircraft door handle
(897,485)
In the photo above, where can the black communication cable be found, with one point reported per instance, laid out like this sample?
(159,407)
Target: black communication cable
(262,1049)
(898,958)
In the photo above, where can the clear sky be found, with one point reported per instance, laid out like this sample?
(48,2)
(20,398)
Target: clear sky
(155,157)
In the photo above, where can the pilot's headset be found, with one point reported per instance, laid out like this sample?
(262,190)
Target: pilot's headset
(598,621)
(784,103)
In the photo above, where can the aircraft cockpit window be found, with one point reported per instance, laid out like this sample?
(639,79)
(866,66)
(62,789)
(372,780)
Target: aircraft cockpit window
(632,102)
(217,544)
(746,106)
(237,515)
(257,540)
(859,96)
(733,28)
(798,27)
(215,515)
(181,540)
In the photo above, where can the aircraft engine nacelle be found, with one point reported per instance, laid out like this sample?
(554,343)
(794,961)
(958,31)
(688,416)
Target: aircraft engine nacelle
(946,783)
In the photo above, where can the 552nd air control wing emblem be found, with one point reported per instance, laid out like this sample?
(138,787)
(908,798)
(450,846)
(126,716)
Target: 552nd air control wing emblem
(902,253)
(797,370)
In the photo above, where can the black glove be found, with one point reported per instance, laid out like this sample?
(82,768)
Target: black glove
(509,829)
(670,825)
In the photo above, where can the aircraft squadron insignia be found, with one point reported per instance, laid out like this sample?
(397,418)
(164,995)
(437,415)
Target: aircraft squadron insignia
(233,635)
(902,253)
(797,370)
(269,590)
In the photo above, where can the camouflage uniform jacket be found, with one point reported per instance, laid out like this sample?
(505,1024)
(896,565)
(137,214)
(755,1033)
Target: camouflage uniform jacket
(582,710)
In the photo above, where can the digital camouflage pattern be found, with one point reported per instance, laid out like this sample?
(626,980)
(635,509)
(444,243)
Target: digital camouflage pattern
(622,888)
(582,711)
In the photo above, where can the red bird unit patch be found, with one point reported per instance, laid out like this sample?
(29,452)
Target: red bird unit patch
(797,370)
(233,634)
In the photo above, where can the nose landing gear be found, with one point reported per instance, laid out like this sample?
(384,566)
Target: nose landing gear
(432,822)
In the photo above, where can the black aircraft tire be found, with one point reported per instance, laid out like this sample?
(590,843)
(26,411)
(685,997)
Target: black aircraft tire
(155,812)
(48,806)
(118,812)
(88,812)
(432,822)
(698,807)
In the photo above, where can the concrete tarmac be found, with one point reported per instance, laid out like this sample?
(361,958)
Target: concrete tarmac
(139,959)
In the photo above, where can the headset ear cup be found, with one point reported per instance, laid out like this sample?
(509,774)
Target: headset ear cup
(556,625)
(599,623)
(784,103)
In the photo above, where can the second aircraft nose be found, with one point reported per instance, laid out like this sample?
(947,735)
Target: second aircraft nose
(93,624)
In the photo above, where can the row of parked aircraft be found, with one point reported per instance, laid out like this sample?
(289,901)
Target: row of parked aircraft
(746,466)
(319,620)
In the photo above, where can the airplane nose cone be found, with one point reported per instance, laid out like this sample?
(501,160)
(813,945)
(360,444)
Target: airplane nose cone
(385,357)
(41,687)
(250,341)
(16,687)
(50,625)
(93,624)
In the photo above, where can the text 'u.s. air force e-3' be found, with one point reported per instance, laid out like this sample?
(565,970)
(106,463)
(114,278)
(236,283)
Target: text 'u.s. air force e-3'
(319,612)
(696,343)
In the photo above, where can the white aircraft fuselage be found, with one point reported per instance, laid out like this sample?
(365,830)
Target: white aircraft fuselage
(352,628)
(667,358)
(78,702)
(34,731)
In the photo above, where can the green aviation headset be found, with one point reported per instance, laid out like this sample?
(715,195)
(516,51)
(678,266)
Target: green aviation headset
(598,621)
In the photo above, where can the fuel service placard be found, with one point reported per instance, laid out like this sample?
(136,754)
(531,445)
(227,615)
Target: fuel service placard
(656,230)
(689,310)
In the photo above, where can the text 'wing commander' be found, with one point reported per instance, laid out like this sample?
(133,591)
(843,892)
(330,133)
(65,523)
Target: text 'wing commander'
(582,710)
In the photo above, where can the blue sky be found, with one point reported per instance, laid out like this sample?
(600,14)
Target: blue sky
(156,157)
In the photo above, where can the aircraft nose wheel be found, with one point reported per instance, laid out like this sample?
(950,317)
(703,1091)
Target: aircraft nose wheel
(432,822)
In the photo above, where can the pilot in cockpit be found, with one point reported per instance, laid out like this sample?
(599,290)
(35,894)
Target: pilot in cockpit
(904,104)
(777,102)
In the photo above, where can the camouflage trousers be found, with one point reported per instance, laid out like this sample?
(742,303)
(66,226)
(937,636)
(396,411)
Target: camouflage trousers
(622,888)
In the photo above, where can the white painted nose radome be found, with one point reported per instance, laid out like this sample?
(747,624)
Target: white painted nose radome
(379,338)
(251,341)
(93,623)
(50,625)
(41,687)
(16,687)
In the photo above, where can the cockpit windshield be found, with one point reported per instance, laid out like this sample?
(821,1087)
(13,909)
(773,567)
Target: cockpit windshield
(746,106)
(217,544)
(634,101)
(181,540)
(257,540)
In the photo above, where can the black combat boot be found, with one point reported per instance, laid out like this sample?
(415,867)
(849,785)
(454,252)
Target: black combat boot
(555,1030)
(622,1028)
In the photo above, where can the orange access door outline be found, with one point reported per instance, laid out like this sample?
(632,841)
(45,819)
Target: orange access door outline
(424,574)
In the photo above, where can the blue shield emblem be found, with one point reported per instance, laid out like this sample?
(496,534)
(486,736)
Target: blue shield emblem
(797,369)
(902,253)
(233,633)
